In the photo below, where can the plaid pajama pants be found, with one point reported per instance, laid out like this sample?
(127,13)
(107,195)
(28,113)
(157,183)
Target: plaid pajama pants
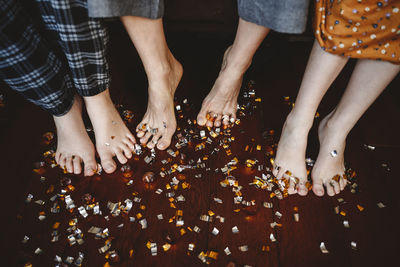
(50,59)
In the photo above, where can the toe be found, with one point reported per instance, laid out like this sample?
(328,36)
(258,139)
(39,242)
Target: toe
(140,133)
(90,165)
(233,118)
(329,190)
(69,165)
(342,183)
(61,162)
(165,140)
(302,188)
(120,156)
(225,120)
(131,137)
(145,138)
(126,150)
(201,117)
(217,121)
(129,143)
(318,188)
(281,172)
(57,157)
(209,123)
(107,162)
(154,141)
(336,187)
(77,165)
(292,190)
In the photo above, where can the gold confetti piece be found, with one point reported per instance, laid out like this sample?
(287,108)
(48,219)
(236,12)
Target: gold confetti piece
(323,248)
(182,231)
(166,246)
(343,213)
(211,213)
(179,213)
(265,248)
(336,178)
(337,210)
(360,208)
(213,255)
(56,225)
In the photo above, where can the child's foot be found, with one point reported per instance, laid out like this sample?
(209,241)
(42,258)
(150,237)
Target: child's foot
(159,121)
(329,167)
(112,136)
(290,157)
(220,105)
(73,143)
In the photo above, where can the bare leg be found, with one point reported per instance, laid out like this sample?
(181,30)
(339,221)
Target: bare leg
(367,82)
(164,73)
(73,143)
(322,69)
(112,136)
(221,103)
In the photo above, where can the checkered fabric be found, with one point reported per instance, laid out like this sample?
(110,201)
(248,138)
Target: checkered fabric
(48,62)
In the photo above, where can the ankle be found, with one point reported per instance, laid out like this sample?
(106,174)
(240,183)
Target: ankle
(102,98)
(235,63)
(299,122)
(161,67)
(332,125)
(236,67)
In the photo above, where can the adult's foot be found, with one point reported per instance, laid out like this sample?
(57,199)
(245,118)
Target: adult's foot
(74,146)
(220,105)
(113,138)
(290,157)
(159,121)
(329,167)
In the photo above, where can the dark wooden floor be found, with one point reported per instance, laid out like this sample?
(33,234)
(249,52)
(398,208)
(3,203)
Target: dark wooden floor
(277,70)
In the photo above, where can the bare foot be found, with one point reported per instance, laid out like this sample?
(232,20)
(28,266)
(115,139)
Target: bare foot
(290,157)
(113,138)
(159,121)
(220,105)
(73,143)
(329,167)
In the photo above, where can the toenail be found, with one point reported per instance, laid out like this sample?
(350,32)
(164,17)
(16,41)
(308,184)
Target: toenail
(161,145)
(109,167)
